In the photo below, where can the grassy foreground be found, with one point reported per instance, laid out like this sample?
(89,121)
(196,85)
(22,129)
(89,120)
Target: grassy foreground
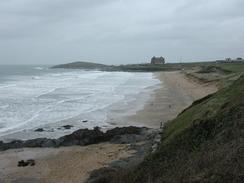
(205,143)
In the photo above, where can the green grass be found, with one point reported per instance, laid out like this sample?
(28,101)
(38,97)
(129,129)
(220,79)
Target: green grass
(206,109)
(233,67)
(222,74)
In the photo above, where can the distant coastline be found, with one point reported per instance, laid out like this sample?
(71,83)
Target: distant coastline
(128,68)
(209,66)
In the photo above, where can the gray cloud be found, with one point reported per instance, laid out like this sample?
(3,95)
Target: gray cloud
(119,31)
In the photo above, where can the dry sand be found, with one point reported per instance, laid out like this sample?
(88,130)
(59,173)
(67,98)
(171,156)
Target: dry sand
(61,165)
(73,164)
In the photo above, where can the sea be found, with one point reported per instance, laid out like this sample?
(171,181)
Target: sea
(33,97)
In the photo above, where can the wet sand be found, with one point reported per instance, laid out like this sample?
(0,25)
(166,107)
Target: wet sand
(73,164)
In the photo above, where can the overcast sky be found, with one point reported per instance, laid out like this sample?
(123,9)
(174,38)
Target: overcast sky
(119,31)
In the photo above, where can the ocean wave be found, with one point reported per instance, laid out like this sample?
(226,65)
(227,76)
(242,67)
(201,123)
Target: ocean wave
(54,97)
(38,68)
(35,77)
(7,86)
(4,106)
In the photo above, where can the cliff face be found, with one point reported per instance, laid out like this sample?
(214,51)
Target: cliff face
(205,143)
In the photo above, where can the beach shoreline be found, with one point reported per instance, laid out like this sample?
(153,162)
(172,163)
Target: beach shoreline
(85,103)
(176,92)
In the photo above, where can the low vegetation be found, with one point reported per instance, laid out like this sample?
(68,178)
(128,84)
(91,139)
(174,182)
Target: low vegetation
(223,74)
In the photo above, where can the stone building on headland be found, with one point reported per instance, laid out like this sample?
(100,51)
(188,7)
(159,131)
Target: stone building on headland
(158,60)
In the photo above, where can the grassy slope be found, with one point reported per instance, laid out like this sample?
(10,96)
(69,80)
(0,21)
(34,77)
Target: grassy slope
(223,74)
(205,143)
(234,67)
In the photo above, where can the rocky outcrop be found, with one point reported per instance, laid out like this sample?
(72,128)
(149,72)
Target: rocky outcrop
(39,130)
(29,162)
(67,127)
(142,143)
(80,137)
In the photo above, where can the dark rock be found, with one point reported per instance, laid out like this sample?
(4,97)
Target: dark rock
(85,121)
(39,130)
(50,143)
(67,127)
(35,142)
(11,145)
(23,163)
(81,137)
(31,162)
(124,130)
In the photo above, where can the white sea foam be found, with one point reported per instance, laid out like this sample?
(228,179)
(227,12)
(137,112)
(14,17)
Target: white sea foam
(53,99)
(39,68)
(6,85)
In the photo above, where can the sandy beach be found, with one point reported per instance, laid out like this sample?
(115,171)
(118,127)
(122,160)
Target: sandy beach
(73,164)
(66,164)
(175,93)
